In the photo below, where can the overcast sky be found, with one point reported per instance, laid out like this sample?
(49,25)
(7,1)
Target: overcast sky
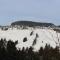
(35,10)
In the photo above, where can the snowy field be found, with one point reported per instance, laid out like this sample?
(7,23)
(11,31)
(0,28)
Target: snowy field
(45,36)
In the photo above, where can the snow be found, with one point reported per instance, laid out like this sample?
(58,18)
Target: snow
(45,36)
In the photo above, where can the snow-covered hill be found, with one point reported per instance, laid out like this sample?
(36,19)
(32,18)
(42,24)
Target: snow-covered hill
(34,37)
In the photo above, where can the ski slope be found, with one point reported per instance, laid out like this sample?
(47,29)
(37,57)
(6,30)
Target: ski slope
(45,36)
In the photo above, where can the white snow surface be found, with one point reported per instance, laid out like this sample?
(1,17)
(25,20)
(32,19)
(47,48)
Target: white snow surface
(45,36)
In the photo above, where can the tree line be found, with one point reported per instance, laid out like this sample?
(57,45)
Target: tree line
(8,51)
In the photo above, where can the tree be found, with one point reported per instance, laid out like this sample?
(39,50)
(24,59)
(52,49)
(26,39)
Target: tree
(25,39)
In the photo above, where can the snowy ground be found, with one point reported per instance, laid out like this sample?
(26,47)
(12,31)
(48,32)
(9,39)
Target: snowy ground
(48,36)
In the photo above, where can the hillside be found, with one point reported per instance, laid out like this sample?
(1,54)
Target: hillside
(32,37)
(27,35)
(30,23)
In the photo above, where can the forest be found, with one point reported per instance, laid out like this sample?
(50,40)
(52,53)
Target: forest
(32,24)
(8,51)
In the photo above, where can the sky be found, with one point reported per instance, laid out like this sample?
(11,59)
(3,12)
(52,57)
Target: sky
(31,10)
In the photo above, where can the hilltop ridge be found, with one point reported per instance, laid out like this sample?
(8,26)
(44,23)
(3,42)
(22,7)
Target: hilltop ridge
(31,24)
